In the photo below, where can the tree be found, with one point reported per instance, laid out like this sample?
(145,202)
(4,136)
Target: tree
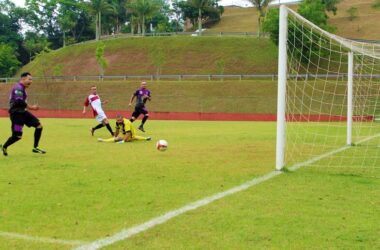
(330,5)
(261,6)
(8,61)
(352,13)
(120,15)
(210,12)
(176,13)
(144,9)
(34,43)
(69,14)
(376,4)
(97,8)
(10,28)
(100,59)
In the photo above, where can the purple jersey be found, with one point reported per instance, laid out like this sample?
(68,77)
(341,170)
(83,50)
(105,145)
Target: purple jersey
(17,98)
(140,101)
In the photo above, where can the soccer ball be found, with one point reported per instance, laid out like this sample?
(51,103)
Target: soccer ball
(162,145)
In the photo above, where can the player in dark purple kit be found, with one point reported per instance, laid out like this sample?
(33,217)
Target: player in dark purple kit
(141,95)
(20,116)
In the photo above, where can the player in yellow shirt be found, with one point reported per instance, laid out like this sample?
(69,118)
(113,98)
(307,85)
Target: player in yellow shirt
(126,130)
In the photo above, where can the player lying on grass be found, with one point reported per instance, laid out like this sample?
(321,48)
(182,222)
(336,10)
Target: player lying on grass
(127,131)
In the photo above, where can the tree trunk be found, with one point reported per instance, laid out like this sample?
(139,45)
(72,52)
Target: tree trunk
(199,21)
(100,25)
(64,39)
(97,27)
(143,25)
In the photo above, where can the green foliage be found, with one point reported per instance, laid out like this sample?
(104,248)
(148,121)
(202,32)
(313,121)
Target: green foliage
(331,5)
(314,11)
(100,59)
(220,64)
(34,44)
(353,13)
(58,70)
(271,24)
(376,4)
(144,10)
(200,11)
(261,6)
(97,9)
(8,61)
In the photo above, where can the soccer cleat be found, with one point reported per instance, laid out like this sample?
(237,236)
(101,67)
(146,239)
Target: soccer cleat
(5,153)
(38,151)
(148,138)
(141,128)
(100,140)
(120,142)
(92,131)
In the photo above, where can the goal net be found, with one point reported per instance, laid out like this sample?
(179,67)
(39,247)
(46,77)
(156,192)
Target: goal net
(328,99)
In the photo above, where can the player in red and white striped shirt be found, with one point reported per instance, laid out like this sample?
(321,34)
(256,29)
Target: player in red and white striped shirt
(96,104)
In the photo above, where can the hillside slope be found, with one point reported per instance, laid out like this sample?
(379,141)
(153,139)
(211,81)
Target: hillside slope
(365,26)
(166,55)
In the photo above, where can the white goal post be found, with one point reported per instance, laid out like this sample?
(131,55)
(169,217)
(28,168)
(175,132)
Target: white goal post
(328,97)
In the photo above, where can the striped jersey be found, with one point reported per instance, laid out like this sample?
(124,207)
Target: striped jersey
(96,104)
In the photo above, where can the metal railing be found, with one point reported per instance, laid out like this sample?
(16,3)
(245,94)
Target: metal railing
(181,77)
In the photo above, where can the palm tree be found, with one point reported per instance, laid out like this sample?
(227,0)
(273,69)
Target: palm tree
(261,6)
(144,9)
(201,5)
(97,8)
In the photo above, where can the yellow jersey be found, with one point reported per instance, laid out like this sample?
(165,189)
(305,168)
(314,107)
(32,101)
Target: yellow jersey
(125,127)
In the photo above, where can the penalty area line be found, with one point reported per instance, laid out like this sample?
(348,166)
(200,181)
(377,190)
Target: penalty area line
(40,239)
(129,232)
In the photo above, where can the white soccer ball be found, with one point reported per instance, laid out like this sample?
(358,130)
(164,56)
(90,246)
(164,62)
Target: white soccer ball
(162,145)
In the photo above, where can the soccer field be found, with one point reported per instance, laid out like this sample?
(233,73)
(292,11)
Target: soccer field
(82,191)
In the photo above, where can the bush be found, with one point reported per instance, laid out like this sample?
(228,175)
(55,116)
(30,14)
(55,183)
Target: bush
(352,13)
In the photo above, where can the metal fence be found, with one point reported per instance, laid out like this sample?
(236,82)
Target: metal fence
(181,77)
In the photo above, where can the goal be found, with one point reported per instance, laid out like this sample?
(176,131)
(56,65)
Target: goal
(328,106)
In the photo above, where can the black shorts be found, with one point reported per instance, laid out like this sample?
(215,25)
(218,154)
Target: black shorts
(139,110)
(19,119)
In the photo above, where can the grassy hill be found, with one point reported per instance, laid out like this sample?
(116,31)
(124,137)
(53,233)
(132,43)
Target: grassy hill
(365,26)
(246,96)
(167,55)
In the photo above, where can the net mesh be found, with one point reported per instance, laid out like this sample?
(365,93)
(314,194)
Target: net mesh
(316,99)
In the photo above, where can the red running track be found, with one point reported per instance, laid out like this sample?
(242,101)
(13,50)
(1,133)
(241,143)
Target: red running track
(192,116)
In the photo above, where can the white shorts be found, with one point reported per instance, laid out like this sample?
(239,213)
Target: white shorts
(100,117)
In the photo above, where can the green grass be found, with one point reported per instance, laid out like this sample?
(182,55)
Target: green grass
(85,190)
(176,55)
(230,96)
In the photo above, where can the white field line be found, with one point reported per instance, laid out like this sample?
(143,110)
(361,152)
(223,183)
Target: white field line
(40,239)
(129,232)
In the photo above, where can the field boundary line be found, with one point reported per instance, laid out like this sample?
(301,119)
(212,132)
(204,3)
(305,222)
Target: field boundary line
(129,232)
(40,239)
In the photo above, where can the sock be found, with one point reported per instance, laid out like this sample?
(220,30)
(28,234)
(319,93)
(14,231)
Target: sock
(109,140)
(144,120)
(10,141)
(98,126)
(109,128)
(139,138)
(37,136)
